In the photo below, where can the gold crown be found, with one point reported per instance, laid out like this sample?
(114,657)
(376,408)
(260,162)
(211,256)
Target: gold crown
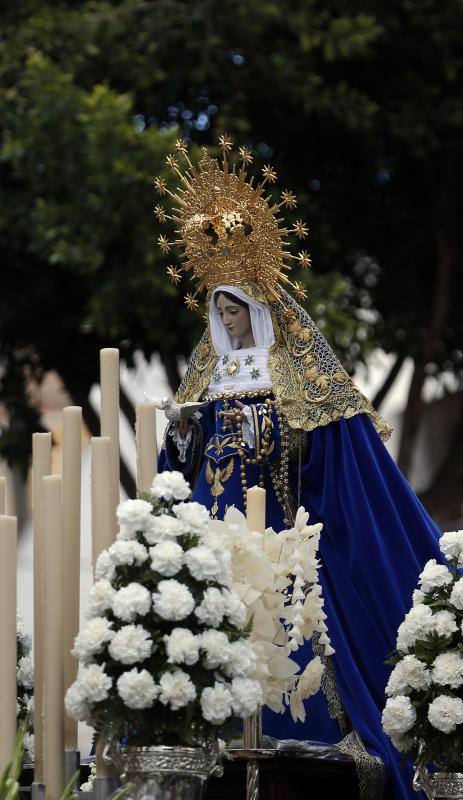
(229,232)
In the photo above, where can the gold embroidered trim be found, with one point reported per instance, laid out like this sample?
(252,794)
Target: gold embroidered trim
(370,769)
(310,384)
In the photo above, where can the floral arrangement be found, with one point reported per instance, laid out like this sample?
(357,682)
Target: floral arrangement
(164,658)
(276,577)
(25,684)
(424,712)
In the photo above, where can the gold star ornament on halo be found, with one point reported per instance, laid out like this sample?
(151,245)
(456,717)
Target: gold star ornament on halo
(191,301)
(174,274)
(228,231)
(163,243)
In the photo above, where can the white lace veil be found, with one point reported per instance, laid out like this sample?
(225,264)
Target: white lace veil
(261,322)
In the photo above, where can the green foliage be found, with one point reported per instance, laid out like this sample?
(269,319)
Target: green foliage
(9,780)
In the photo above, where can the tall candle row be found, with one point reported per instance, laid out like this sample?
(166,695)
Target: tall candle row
(56,527)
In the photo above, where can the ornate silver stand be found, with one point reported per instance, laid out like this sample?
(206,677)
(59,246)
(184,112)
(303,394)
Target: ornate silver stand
(103,787)
(252,740)
(38,791)
(439,784)
(163,772)
(252,731)
(253,752)
(71,765)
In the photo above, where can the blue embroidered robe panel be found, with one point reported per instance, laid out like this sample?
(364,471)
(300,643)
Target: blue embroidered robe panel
(375,541)
(212,460)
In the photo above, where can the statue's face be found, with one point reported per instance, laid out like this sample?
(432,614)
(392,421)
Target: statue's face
(236,318)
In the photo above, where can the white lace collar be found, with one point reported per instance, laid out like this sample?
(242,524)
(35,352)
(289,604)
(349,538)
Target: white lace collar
(241,370)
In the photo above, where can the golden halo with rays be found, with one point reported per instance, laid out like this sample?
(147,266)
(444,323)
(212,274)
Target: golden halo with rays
(228,231)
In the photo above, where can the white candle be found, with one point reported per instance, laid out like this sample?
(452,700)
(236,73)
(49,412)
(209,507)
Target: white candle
(102,533)
(72,443)
(109,381)
(2,495)
(102,508)
(256,509)
(53,686)
(41,465)
(8,690)
(146,446)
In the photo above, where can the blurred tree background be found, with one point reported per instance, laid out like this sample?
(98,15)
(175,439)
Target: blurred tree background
(357,105)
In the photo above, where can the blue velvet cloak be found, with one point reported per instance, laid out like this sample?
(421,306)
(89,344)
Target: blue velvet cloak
(375,541)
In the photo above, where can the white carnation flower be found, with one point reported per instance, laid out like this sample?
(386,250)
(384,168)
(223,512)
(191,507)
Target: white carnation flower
(170,486)
(408,674)
(212,607)
(246,696)
(444,623)
(445,713)
(104,567)
(92,639)
(416,625)
(456,596)
(25,672)
(173,600)
(137,689)
(224,574)
(451,546)
(128,553)
(447,670)
(166,558)
(203,563)
(194,516)
(131,643)
(216,646)
(234,609)
(418,597)
(133,516)
(130,601)
(163,526)
(94,682)
(398,716)
(76,703)
(100,598)
(434,575)
(30,703)
(182,646)
(216,703)
(242,659)
(177,690)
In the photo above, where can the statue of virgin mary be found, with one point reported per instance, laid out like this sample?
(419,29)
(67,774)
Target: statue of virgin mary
(278,410)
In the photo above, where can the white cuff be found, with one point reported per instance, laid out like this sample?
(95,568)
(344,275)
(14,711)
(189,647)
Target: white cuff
(182,442)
